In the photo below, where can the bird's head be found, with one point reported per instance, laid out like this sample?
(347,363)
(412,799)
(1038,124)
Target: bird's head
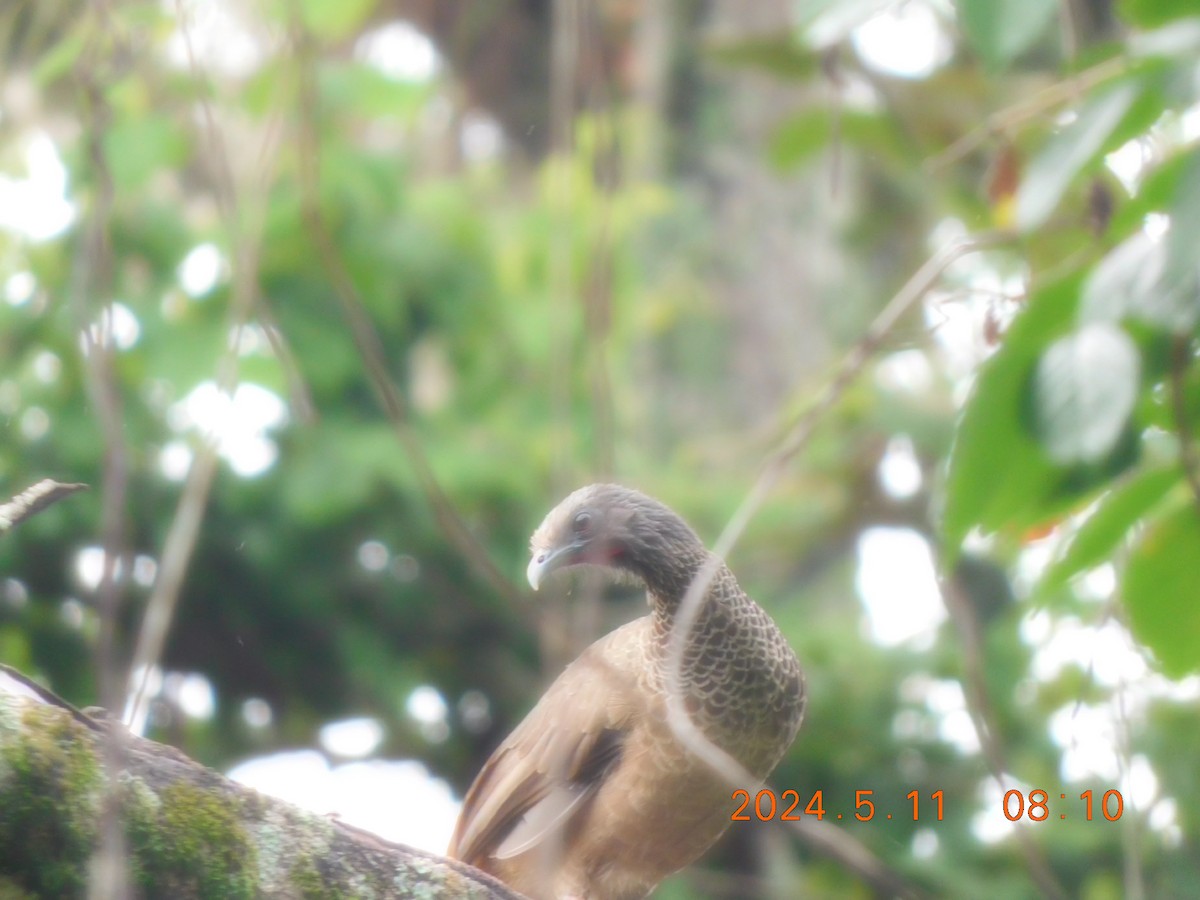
(609,525)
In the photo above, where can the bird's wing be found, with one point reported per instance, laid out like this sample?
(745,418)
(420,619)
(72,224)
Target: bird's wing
(555,760)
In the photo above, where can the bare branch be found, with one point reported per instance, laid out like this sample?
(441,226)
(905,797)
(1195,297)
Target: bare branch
(371,351)
(983,717)
(772,470)
(33,500)
(774,467)
(92,285)
(838,845)
(300,398)
(243,219)
(177,551)
(1041,103)
(564,66)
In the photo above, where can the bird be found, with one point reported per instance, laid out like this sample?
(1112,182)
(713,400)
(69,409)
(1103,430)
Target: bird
(593,796)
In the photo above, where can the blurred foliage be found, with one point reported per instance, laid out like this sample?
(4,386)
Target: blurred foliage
(599,310)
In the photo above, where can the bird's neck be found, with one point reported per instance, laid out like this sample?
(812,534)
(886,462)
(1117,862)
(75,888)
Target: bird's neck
(669,580)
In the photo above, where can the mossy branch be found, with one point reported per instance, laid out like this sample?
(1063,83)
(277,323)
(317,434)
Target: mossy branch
(191,833)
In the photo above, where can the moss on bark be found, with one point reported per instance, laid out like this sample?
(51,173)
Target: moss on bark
(190,833)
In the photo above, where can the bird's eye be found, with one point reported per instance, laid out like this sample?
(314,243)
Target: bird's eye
(582,524)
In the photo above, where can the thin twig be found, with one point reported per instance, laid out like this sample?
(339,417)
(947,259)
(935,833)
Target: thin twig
(564,66)
(983,717)
(1181,359)
(793,443)
(776,464)
(16,683)
(597,295)
(563,631)
(370,348)
(1044,101)
(1133,872)
(93,285)
(1069,29)
(33,500)
(300,399)
(160,608)
(832,72)
(93,280)
(597,303)
(226,192)
(245,241)
(851,854)
(580,46)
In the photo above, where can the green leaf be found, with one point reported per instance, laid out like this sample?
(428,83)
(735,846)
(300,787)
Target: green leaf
(799,137)
(807,133)
(272,85)
(136,148)
(1051,172)
(362,90)
(1001,30)
(1155,193)
(778,55)
(1152,13)
(1160,590)
(186,353)
(998,474)
(1100,535)
(264,371)
(1135,280)
(335,19)
(62,57)
(1084,391)
(1183,238)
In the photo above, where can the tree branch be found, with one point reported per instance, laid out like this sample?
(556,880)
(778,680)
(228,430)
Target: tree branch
(793,442)
(1019,113)
(33,500)
(191,831)
(983,717)
(852,855)
(244,222)
(772,470)
(92,285)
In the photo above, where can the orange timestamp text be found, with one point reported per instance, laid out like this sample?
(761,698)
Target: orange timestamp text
(1039,805)
(765,806)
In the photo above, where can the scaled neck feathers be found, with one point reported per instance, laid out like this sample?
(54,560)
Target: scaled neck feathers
(665,553)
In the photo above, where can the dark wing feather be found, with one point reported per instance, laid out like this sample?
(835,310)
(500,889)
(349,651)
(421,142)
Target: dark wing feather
(555,760)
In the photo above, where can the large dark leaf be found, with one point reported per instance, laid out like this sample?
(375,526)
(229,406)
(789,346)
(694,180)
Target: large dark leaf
(999,475)
(1115,515)
(1085,388)
(1139,280)
(1051,172)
